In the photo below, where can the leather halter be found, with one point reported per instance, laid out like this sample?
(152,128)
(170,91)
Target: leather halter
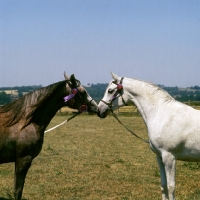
(117,93)
(74,92)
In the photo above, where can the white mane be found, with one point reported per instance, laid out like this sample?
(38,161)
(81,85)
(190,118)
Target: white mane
(154,89)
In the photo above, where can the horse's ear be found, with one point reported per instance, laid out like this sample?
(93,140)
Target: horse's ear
(66,77)
(73,80)
(115,77)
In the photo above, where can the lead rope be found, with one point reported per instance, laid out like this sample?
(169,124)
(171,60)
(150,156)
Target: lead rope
(62,123)
(115,116)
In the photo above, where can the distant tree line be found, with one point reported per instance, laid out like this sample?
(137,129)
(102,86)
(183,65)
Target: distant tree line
(97,92)
(185,94)
(22,88)
(7,98)
(4,98)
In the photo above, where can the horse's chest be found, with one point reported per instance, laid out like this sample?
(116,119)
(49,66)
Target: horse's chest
(19,145)
(30,144)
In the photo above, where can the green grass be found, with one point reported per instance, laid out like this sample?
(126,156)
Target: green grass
(97,159)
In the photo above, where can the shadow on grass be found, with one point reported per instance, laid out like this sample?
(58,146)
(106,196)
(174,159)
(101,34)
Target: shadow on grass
(2,198)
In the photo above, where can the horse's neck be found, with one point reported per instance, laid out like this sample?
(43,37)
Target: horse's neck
(47,111)
(145,96)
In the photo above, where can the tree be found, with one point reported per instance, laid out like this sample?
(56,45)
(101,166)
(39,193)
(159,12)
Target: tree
(4,98)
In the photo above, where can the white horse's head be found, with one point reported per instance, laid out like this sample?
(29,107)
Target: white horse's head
(114,97)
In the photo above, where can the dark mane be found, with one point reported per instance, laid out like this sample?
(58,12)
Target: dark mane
(24,107)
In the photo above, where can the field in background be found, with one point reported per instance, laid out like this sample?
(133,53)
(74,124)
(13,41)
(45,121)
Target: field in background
(97,159)
(126,110)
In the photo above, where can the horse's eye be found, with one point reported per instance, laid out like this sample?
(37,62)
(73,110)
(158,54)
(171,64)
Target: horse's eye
(110,91)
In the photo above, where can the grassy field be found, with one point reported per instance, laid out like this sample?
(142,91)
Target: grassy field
(97,159)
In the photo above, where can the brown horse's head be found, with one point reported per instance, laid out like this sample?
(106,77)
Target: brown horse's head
(78,97)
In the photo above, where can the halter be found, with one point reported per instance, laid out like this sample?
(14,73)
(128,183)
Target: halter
(117,94)
(74,92)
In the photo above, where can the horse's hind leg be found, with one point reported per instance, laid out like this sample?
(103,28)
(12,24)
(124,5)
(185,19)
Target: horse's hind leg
(21,168)
(163,177)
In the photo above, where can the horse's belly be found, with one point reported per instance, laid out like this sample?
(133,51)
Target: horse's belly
(186,148)
(189,148)
(189,152)
(7,155)
(189,157)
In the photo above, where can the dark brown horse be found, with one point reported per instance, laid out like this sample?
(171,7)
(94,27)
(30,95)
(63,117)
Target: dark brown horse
(23,122)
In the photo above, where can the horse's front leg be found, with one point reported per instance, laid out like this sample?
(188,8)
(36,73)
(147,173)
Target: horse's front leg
(21,168)
(169,162)
(163,178)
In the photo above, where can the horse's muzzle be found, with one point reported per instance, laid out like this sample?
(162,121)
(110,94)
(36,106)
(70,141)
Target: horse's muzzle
(101,115)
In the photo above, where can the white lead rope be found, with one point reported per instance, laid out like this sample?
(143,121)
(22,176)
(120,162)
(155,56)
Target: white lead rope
(61,123)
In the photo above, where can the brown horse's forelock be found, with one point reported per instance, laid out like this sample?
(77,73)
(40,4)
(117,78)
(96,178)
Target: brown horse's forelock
(23,108)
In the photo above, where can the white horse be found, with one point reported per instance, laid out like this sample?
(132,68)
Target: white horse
(173,127)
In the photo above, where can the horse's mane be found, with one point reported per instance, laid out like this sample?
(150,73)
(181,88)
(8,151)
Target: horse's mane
(24,107)
(156,89)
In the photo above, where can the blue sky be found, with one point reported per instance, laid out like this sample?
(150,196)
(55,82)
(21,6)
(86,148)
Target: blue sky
(153,40)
